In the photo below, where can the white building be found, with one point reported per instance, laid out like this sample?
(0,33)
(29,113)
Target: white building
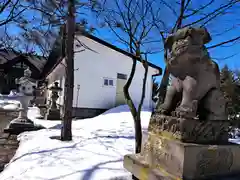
(101,71)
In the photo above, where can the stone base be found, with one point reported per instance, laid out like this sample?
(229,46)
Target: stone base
(142,170)
(19,125)
(43,110)
(53,114)
(190,130)
(170,159)
(6,116)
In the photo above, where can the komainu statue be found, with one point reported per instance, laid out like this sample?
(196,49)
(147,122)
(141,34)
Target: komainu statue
(188,134)
(195,85)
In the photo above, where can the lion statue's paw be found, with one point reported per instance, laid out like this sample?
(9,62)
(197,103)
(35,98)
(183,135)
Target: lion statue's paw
(162,110)
(184,112)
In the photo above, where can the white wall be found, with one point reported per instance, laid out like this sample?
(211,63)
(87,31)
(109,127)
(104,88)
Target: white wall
(90,69)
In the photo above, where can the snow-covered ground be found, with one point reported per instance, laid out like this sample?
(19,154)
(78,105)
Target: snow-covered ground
(10,104)
(96,152)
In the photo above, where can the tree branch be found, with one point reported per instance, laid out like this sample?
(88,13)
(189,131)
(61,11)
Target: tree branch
(4,6)
(224,7)
(225,42)
(195,11)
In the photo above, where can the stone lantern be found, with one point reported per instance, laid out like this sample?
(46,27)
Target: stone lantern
(26,86)
(53,113)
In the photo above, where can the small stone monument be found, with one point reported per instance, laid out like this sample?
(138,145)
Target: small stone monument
(188,133)
(26,86)
(53,113)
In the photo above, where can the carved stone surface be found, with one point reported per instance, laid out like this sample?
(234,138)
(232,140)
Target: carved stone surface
(195,84)
(214,161)
(165,156)
(162,153)
(138,166)
(177,160)
(190,130)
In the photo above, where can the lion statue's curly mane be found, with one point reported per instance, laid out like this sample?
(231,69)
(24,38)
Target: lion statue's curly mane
(195,84)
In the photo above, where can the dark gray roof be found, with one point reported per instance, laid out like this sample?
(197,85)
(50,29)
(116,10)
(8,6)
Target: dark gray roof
(7,55)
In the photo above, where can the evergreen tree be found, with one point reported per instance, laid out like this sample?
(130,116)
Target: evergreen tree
(230,85)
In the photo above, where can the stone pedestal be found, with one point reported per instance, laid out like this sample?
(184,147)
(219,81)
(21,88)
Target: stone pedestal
(21,123)
(6,116)
(190,130)
(176,150)
(53,114)
(43,109)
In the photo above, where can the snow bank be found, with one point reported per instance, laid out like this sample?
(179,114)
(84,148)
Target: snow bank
(96,152)
(9,104)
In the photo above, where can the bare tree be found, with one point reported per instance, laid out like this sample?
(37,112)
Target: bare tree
(130,22)
(66,133)
(37,23)
(11,10)
(183,13)
(54,15)
(24,23)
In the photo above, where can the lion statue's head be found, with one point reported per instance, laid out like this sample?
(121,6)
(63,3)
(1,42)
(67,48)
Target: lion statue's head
(186,49)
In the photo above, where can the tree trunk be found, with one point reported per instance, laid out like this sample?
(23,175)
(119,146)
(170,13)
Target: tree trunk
(138,134)
(137,122)
(163,88)
(66,133)
(138,126)
(136,113)
(138,137)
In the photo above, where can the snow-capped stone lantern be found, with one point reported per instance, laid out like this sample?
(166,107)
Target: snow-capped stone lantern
(26,86)
(53,112)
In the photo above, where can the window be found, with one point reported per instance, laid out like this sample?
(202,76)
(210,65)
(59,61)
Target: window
(110,82)
(107,82)
(121,76)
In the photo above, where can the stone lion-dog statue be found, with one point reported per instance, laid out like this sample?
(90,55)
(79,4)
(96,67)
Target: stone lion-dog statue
(194,91)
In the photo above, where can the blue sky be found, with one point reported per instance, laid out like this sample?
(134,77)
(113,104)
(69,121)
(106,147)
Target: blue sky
(218,54)
(216,28)
(221,29)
